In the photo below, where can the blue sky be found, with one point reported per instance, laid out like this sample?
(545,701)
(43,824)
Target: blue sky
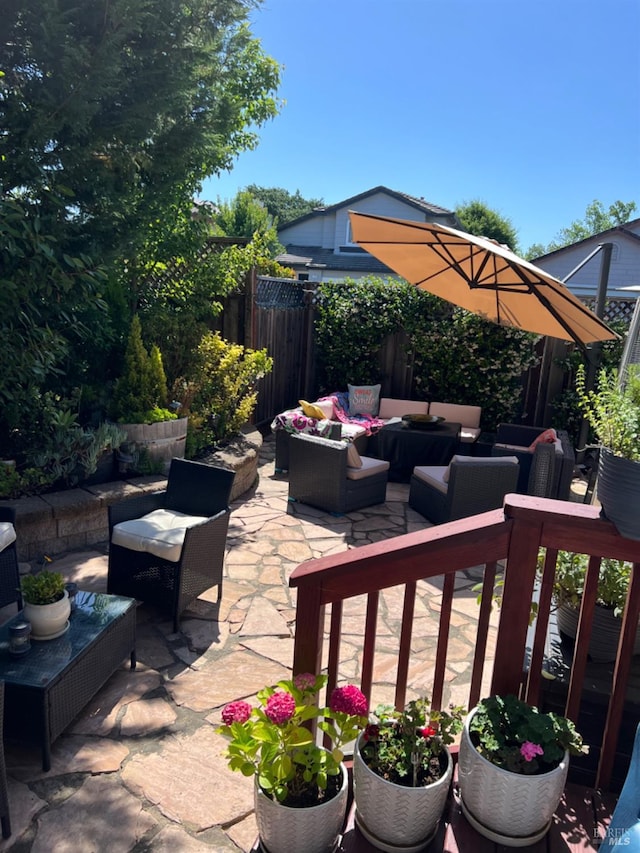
(531,107)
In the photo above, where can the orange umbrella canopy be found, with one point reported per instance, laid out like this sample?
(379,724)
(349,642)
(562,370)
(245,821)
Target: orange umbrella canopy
(479,275)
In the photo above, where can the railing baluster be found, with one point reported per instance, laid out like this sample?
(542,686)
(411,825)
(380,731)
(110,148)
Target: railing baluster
(369,643)
(335,637)
(532,692)
(484,617)
(404,651)
(583,635)
(443,641)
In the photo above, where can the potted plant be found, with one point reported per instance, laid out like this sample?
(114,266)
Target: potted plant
(46,604)
(568,586)
(512,769)
(613,411)
(402,770)
(300,788)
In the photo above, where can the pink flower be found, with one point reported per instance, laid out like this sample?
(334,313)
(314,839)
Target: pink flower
(280,707)
(427,731)
(529,750)
(349,700)
(304,681)
(236,712)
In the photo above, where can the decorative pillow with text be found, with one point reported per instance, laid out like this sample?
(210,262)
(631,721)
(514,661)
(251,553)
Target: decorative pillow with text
(364,400)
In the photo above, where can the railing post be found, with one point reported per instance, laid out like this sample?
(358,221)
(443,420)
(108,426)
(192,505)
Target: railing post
(307,649)
(515,609)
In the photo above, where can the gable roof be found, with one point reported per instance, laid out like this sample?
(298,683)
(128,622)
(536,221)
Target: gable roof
(419,204)
(317,257)
(617,230)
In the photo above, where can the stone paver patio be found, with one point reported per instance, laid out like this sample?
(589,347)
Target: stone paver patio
(142,767)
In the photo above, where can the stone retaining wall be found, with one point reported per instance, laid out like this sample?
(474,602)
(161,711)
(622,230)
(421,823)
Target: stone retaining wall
(62,521)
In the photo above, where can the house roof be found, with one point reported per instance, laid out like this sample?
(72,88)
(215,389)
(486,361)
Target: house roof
(316,257)
(419,203)
(619,230)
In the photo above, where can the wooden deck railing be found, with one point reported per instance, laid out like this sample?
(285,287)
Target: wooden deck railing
(505,540)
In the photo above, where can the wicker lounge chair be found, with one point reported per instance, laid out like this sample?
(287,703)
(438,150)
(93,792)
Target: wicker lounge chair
(540,475)
(466,487)
(322,475)
(168,547)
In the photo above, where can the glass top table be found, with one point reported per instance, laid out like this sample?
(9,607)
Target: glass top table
(48,686)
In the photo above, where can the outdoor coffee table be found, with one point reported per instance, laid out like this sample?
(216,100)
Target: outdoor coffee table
(404,448)
(48,686)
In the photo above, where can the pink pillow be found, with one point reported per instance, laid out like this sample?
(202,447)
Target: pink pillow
(547,437)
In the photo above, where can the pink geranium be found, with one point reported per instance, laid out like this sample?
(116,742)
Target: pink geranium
(529,750)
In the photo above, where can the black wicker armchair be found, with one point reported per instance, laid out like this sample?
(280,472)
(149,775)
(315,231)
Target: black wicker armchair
(546,472)
(9,572)
(468,486)
(168,547)
(332,476)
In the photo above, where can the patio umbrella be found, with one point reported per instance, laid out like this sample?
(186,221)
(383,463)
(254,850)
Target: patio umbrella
(479,275)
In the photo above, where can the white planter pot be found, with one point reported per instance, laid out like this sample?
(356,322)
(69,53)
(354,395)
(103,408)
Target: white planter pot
(313,830)
(48,621)
(394,817)
(509,808)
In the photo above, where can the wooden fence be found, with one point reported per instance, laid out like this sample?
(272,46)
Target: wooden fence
(278,315)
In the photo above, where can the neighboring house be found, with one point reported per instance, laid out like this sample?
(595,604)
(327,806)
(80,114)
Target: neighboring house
(319,245)
(625,262)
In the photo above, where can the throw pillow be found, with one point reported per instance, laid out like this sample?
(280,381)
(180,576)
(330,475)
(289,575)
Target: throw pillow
(547,437)
(311,410)
(364,400)
(353,457)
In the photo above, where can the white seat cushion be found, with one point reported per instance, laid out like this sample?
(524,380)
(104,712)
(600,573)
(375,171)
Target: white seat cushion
(433,475)
(466,416)
(390,408)
(7,534)
(160,532)
(369,467)
(468,434)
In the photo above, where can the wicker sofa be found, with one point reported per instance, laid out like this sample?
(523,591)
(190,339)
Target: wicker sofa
(294,421)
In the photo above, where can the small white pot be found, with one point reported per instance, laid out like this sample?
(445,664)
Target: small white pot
(394,817)
(510,808)
(313,830)
(48,621)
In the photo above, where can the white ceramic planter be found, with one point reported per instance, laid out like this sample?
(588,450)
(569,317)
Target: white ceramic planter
(48,621)
(509,808)
(312,830)
(394,817)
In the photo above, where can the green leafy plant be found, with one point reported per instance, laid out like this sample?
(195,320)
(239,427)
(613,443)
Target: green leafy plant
(568,585)
(45,587)
(521,739)
(613,409)
(223,389)
(140,394)
(408,747)
(273,743)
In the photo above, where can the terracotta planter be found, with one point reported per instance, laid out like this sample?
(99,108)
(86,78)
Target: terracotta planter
(605,632)
(393,817)
(510,808)
(48,621)
(313,830)
(618,490)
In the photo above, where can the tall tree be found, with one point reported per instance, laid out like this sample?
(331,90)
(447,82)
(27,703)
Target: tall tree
(596,220)
(244,216)
(480,220)
(282,205)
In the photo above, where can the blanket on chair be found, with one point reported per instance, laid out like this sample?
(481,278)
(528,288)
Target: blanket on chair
(340,400)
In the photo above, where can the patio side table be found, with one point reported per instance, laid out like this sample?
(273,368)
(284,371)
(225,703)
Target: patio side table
(48,686)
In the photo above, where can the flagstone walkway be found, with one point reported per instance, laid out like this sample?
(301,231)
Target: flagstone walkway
(141,768)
